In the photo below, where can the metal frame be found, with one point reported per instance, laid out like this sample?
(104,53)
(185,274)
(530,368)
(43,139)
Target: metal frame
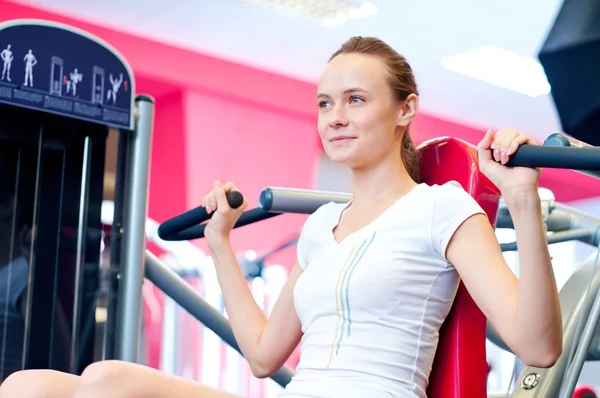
(134,233)
(579,299)
(565,223)
(112,296)
(563,140)
(575,306)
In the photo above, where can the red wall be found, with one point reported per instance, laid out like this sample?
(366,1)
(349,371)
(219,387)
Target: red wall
(168,149)
(254,146)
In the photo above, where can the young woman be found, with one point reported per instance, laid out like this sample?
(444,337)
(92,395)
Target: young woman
(375,278)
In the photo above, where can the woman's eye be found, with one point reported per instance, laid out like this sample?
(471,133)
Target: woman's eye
(323,104)
(356,99)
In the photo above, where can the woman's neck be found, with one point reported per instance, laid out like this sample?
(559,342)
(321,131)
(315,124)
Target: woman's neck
(386,181)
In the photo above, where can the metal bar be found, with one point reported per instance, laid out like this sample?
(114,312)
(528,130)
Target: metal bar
(580,219)
(109,345)
(301,201)
(584,235)
(134,233)
(179,290)
(556,222)
(561,218)
(32,251)
(575,305)
(562,140)
(81,237)
(168,352)
(585,158)
(581,352)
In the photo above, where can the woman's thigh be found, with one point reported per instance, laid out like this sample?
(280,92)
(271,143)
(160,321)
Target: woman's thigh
(124,379)
(39,383)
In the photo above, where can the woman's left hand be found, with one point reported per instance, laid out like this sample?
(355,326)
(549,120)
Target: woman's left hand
(504,143)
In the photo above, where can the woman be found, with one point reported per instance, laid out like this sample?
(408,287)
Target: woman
(374,278)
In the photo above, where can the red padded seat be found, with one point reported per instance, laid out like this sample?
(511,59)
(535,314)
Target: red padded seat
(460,368)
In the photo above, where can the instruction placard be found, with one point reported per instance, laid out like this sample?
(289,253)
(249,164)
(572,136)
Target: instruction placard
(62,70)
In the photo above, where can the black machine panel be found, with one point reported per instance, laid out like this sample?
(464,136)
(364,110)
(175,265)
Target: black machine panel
(61,90)
(61,70)
(51,183)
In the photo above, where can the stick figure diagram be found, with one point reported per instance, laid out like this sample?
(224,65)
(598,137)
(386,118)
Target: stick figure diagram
(7,56)
(30,62)
(116,84)
(75,78)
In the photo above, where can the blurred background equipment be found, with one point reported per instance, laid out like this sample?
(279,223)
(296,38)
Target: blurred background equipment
(571,58)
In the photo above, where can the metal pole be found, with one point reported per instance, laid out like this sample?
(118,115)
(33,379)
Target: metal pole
(584,235)
(575,304)
(116,237)
(183,294)
(134,233)
(302,201)
(81,237)
(557,220)
(558,139)
(574,369)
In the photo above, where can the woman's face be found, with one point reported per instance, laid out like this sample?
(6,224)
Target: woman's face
(358,115)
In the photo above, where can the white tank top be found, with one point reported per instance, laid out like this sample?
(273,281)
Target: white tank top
(371,306)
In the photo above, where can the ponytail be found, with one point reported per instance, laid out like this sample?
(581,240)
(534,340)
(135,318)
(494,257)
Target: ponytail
(410,157)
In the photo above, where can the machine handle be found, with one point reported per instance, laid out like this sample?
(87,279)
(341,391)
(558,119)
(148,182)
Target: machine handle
(190,225)
(583,158)
(177,226)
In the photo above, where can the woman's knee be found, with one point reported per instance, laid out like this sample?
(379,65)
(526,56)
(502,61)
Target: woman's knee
(38,384)
(108,378)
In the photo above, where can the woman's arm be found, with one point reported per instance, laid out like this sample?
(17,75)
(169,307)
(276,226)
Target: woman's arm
(266,344)
(525,311)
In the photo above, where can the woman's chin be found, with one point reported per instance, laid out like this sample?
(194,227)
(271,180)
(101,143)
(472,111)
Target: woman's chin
(340,158)
(340,155)
(346,161)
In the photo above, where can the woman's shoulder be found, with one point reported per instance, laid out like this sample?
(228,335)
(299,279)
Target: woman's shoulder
(450,191)
(451,187)
(324,214)
(450,197)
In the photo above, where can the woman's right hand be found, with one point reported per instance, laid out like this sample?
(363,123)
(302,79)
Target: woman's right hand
(224,218)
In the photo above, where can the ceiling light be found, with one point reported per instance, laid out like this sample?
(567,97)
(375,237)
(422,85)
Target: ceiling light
(501,68)
(330,13)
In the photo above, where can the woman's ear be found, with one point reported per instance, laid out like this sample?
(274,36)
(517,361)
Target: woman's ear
(408,111)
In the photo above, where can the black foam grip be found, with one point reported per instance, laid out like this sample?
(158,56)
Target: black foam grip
(585,158)
(176,225)
(197,231)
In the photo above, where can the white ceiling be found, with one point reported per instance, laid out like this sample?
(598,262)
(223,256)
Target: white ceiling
(423,31)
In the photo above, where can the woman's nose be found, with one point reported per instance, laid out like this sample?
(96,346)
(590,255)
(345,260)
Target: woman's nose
(338,117)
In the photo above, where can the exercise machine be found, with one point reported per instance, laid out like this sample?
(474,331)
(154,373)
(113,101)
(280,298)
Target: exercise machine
(576,298)
(453,375)
(57,108)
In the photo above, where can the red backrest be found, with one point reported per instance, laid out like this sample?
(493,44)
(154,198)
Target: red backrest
(460,367)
